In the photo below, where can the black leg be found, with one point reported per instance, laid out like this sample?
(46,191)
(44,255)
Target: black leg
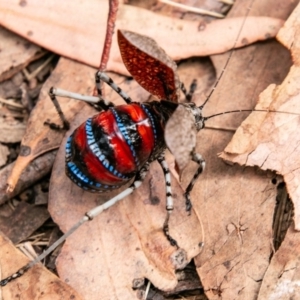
(65,124)
(197,158)
(101,76)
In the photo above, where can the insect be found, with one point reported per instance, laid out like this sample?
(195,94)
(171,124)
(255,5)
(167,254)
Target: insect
(118,144)
(82,149)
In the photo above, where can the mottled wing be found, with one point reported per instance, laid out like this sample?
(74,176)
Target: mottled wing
(149,65)
(180,136)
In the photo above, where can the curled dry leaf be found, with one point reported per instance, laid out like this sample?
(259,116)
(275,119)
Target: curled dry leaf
(45,24)
(180,136)
(271,140)
(36,284)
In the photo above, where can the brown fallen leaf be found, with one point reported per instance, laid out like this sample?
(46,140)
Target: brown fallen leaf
(36,283)
(271,140)
(15,54)
(45,25)
(24,221)
(281,280)
(15,128)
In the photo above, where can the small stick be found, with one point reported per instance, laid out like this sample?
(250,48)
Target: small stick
(193,9)
(10,103)
(229,2)
(32,75)
(111,20)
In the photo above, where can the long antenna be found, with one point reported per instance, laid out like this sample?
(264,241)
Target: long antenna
(250,110)
(229,57)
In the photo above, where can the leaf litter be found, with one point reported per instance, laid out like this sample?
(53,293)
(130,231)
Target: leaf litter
(21,215)
(180,38)
(270,141)
(227,235)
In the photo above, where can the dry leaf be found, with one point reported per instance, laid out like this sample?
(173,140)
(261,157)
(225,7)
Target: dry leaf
(24,221)
(36,284)
(45,25)
(15,54)
(281,280)
(16,130)
(270,140)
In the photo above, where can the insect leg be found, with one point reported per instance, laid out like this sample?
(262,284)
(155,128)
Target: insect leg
(189,94)
(54,92)
(170,204)
(101,76)
(90,215)
(65,124)
(197,158)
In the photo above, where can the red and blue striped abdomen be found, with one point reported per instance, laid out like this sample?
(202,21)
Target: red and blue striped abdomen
(109,149)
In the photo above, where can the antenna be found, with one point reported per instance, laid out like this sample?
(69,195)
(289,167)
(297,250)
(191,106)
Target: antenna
(250,110)
(228,59)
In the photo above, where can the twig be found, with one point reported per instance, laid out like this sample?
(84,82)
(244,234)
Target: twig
(229,2)
(111,20)
(32,75)
(193,9)
(9,102)
(147,290)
